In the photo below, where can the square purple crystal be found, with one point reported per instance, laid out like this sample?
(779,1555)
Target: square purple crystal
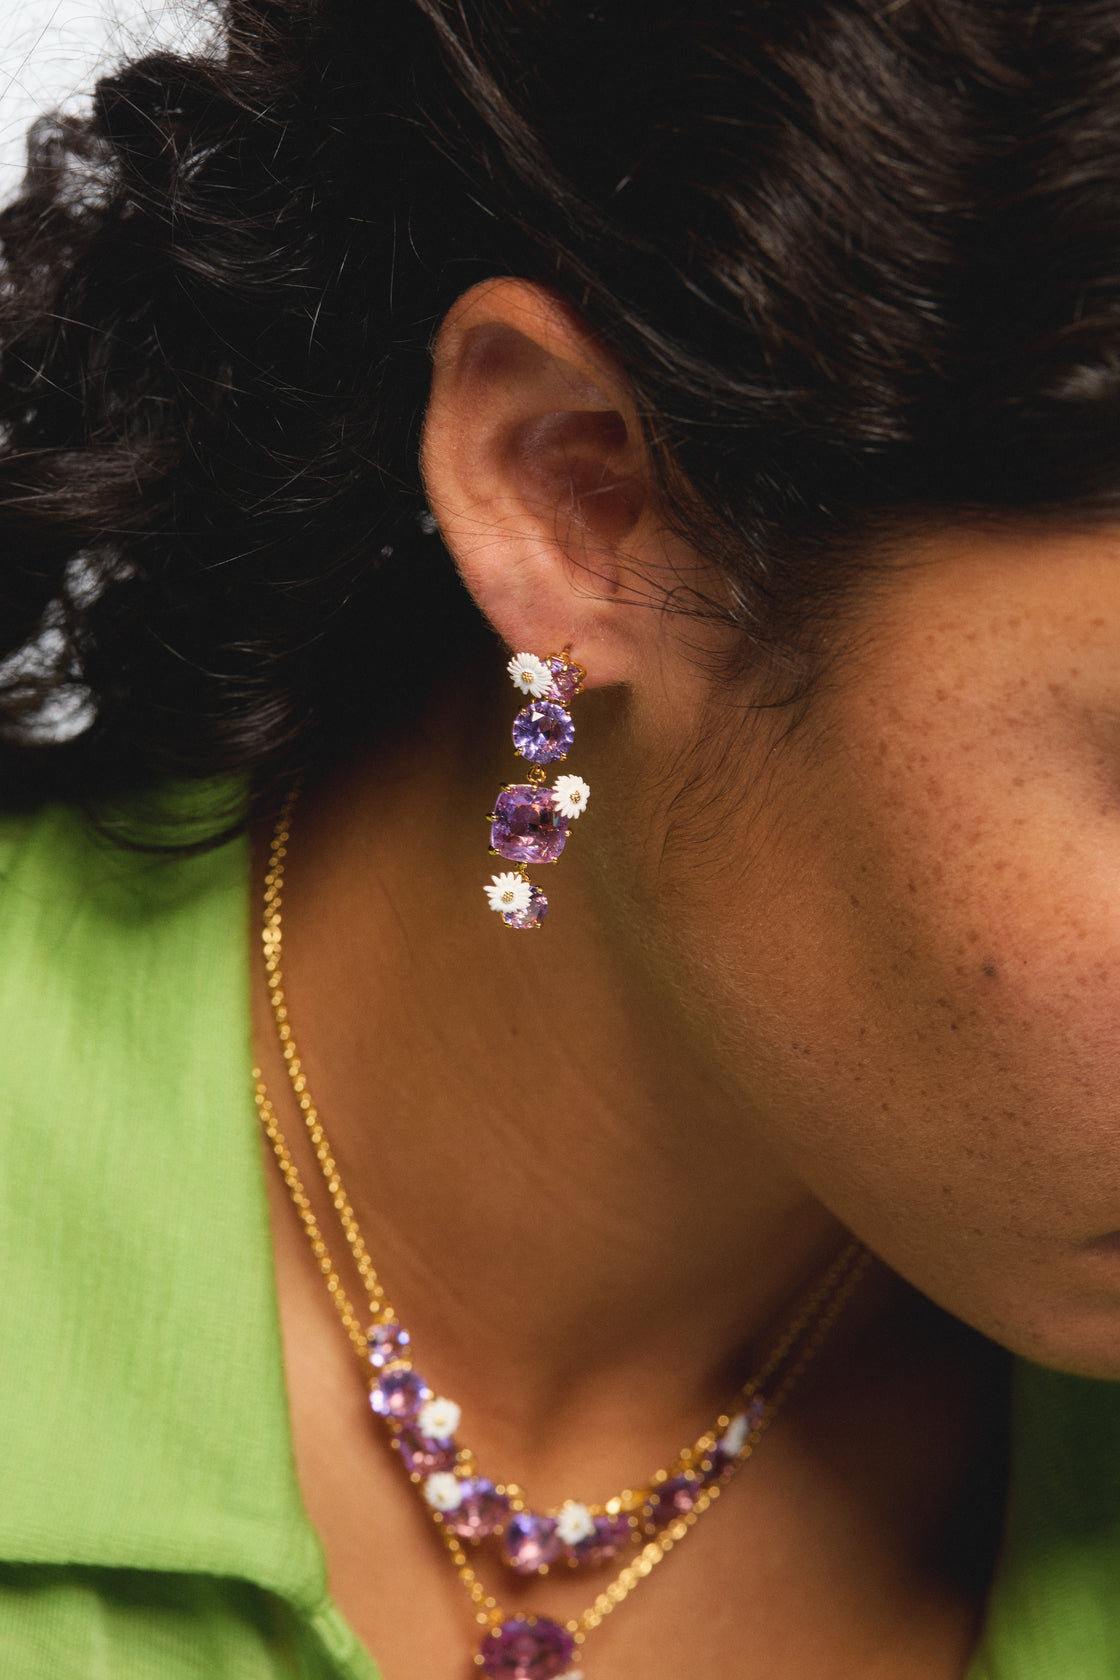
(565,682)
(527,826)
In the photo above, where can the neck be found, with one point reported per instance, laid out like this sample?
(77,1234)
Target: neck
(565,1202)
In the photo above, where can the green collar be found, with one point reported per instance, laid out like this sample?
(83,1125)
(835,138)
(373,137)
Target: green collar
(141,1385)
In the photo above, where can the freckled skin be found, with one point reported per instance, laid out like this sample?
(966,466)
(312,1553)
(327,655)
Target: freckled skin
(930,910)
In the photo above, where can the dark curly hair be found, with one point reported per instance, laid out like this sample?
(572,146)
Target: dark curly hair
(861,264)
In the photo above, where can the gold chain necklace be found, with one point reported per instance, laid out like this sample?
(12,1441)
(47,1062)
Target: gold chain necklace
(465,1505)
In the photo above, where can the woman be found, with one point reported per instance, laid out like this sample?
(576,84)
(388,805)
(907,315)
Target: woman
(757,371)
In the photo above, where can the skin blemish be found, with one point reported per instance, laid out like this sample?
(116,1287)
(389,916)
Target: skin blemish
(989,969)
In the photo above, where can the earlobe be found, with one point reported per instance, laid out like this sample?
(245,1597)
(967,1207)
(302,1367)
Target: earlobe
(534,467)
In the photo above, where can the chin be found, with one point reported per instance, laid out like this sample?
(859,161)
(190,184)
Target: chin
(1078,1337)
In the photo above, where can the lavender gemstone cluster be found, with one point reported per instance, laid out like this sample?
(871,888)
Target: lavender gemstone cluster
(474,1509)
(530,822)
(531,1543)
(543,730)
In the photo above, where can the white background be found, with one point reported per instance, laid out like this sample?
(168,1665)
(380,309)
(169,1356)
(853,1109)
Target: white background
(52,51)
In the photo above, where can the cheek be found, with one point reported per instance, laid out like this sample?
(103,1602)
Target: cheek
(955,1101)
(938,945)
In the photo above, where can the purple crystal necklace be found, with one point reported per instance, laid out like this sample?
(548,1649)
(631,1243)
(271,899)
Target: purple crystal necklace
(641,1525)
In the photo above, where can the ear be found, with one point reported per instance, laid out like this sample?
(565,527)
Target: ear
(535,468)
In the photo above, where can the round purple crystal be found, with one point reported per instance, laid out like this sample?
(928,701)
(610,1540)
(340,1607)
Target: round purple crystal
(543,732)
(387,1342)
(565,683)
(421,1456)
(527,1648)
(673,1499)
(531,1542)
(483,1510)
(718,1465)
(527,826)
(610,1536)
(399,1394)
(533,915)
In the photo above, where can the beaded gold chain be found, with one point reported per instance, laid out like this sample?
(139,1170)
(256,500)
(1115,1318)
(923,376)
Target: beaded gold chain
(533,1647)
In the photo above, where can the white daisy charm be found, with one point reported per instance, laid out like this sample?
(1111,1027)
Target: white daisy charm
(508,893)
(574,1523)
(443,1491)
(570,795)
(439,1419)
(736,1438)
(530,674)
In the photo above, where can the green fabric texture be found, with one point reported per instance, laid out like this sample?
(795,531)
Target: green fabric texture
(1055,1610)
(145,1424)
(121,1624)
(151,1523)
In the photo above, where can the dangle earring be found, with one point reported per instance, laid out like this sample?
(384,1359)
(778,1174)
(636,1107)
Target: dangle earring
(530,822)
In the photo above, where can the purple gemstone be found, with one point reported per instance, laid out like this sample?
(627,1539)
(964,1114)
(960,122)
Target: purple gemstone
(422,1457)
(531,1543)
(387,1342)
(610,1536)
(531,917)
(719,1465)
(483,1511)
(527,1648)
(399,1394)
(673,1499)
(565,683)
(527,827)
(543,732)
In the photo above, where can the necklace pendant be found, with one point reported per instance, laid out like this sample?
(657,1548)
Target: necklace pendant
(526,1648)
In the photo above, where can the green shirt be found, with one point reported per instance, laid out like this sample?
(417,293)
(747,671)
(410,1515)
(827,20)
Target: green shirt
(151,1524)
